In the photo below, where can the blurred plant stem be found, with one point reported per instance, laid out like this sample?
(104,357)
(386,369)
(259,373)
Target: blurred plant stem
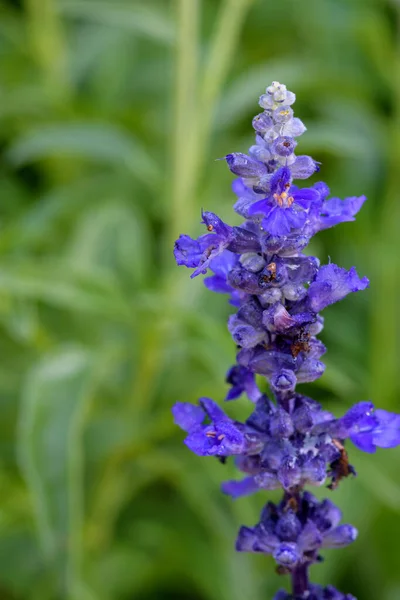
(181,193)
(386,280)
(48,48)
(184,132)
(116,487)
(195,102)
(49,52)
(76,501)
(220,58)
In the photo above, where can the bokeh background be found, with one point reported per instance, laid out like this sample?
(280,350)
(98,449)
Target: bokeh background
(112,114)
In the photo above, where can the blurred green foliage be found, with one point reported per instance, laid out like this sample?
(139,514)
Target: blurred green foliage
(112,114)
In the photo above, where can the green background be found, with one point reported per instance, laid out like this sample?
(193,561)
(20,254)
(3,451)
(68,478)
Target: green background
(112,116)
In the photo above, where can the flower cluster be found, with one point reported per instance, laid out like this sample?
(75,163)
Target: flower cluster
(278,292)
(285,447)
(294,533)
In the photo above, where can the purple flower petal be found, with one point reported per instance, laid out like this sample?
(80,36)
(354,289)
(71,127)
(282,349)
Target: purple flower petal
(310,538)
(280,180)
(221,266)
(313,471)
(288,527)
(188,252)
(242,380)
(327,516)
(218,284)
(333,283)
(304,196)
(243,334)
(260,207)
(252,539)
(237,489)
(335,211)
(289,473)
(187,415)
(386,434)
(246,539)
(267,481)
(214,223)
(281,425)
(340,537)
(221,439)
(364,441)
(212,409)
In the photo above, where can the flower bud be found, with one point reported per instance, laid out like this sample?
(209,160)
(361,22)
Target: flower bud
(303,167)
(287,554)
(262,122)
(252,261)
(260,153)
(341,536)
(244,166)
(283,114)
(281,425)
(284,381)
(284,146)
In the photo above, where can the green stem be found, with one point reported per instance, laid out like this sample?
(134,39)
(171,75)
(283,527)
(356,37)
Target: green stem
(195,111)
(184,133)
(192,129)
(193,124)
(182,193)
(48,48)
(386,279)
(220,58)
(75,474)
(49,52)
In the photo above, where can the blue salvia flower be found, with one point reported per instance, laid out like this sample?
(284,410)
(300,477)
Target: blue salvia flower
(279,291)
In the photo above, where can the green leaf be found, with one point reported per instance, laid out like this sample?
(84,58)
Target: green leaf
(21,320)
(53,407)
(113,236)
(148,21)
(57,284)
(48,219)
(98,142)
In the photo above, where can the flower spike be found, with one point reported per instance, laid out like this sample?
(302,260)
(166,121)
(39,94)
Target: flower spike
(289,442)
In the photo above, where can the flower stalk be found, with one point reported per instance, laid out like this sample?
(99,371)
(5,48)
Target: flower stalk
(300,583)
